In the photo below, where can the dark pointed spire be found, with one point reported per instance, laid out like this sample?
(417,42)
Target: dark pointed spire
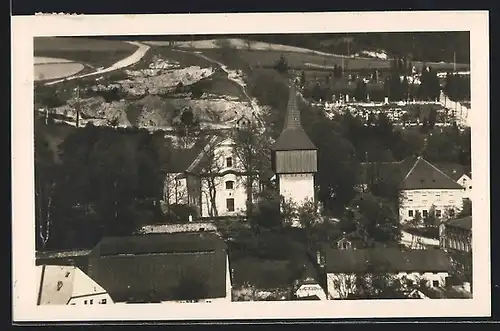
(293,136)
(292,119)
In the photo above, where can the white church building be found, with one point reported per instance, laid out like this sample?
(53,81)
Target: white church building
(294,157)
(210,176)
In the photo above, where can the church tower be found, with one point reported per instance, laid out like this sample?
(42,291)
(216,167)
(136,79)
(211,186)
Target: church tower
(294,156)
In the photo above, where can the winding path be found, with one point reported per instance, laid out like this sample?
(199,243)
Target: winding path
(128,61)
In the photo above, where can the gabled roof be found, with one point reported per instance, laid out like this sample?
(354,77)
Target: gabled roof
(158,243)
(153,267)
(293,136)
(386,260)
(181,159)
(462,223)
(58,284)
(424,175)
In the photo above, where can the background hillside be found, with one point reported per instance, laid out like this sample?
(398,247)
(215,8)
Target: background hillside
(394,43)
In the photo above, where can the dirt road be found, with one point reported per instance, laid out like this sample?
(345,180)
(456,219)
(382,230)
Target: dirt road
(128,61)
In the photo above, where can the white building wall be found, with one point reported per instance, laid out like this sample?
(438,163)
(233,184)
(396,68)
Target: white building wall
(175,189)
(340,285)
(238,193)
(297,187)
(93,299)
(466,183)
(309,290)
(423,200)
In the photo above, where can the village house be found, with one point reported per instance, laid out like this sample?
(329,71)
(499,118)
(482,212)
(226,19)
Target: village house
(209,177)
(456,234)
(422,186)
(466,181)
(343,267)
(309,288)
(162,268)
(68,285)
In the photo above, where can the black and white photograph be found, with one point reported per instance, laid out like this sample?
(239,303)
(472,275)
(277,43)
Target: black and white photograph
(216,169)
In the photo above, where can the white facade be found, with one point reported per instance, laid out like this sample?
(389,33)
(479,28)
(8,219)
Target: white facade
(68,285)
(306,290)
(423,200)
(297,187)
(340,285)
(230,196)
(230,186)
(175,189)
(466,183)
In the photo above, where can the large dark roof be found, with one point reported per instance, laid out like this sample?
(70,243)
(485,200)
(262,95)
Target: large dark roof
(158,243)
(462,223)
(293,136)
(153,267)
(424,175)
(181,159)
(386,260)
(411,173)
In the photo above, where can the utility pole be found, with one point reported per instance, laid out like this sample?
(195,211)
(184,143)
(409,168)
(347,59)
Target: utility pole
(77,106)
(454,62)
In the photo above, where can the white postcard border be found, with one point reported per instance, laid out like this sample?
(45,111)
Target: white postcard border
(24,28)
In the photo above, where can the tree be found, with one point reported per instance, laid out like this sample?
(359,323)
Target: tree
(309,217)
(110,184)
(375,217)
(266,212)
(281,65)
(289,211)
(211,166)
(303,79)
(360,92)
(431,218)
(466,208)
(45,180)
(252,151)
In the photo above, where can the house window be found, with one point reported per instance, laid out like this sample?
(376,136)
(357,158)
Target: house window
(438,197)
(85,302)
(230,204)
(229,162)
(435,283)
(470,187)
(229,185)
(438,213)
(91,301)
(425,213)
(410,213)
(104,301)
(452,213)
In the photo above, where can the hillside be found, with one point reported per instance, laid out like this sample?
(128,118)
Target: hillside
(414,43)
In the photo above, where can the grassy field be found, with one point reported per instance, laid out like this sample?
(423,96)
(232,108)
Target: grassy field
(301,60)
(92,52)
(185,59)
(220,85)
